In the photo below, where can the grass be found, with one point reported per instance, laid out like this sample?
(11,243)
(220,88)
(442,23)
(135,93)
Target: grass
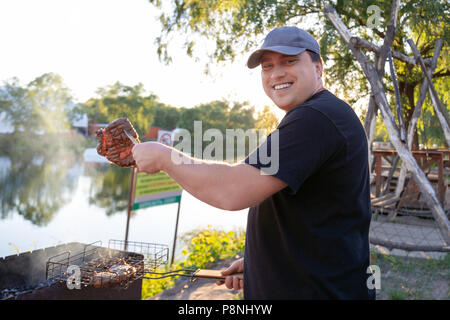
(410,278)
(397,294)
(239,296)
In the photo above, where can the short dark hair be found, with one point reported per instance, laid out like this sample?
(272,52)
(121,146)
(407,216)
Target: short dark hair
(314,56)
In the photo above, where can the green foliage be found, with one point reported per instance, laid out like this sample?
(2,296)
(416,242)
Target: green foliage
(381,133)
(428,127)
(40,106)
(398,294)
(118,101)
(165,117)
(238,26)
(434,265)
(150,287)
(121,101)
(226,22)
(220,115)
(239,296)
(266,120)
(202,249)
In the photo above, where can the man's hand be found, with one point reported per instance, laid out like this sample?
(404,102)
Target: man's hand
(150,157)
(230,281)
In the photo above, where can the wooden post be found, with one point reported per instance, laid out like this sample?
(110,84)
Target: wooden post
(380,61)
(398,101)
(416,114)
(441,184)
(390,175)
(437,104)
(423,93)
(369,126)
(130,204)
(175,234)
(362,43)
(381,100)
(378,171)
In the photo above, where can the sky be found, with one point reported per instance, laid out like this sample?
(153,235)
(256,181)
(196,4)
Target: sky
(94,43)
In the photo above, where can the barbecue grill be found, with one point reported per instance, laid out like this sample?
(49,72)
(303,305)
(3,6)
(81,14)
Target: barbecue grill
(89,271)
(81,271)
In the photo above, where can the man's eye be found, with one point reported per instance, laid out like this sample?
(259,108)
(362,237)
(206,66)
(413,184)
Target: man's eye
(266,66)
(291,61)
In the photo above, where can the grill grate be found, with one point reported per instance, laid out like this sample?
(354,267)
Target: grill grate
(155,255)
(118,265)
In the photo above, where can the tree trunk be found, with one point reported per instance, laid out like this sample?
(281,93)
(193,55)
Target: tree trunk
(437,104)
(381,100)
(412,128)
(415,142)
(408,112)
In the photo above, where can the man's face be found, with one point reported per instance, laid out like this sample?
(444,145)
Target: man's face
(290,80)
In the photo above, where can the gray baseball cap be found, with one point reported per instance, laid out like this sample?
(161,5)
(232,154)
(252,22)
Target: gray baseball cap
(285,40)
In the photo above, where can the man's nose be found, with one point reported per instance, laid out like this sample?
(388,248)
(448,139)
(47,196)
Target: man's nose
(278,71)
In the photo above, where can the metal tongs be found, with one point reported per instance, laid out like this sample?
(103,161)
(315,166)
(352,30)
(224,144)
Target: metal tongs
(130,137)
(206,274)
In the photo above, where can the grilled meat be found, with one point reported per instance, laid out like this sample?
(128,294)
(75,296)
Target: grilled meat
(116,274)
(115,145)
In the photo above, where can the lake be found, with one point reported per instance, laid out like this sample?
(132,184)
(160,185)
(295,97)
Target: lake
(48,200)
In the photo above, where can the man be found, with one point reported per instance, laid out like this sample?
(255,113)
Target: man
(307,229)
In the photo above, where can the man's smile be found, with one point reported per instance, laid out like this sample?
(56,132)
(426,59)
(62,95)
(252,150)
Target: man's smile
(282,85)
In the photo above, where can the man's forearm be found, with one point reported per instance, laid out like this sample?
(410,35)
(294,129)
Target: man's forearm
(225,186)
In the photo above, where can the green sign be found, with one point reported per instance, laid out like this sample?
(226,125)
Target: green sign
(155,189)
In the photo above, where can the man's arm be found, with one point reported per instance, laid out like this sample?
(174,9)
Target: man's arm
(228,187)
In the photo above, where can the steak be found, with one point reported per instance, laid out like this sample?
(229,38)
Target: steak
(115,145)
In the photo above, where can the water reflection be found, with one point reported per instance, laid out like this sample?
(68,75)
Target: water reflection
(38,182)
(50,195)
(109,187)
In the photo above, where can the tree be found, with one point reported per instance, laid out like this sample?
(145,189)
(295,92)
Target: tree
(220,115)
(40,106)
(12,105)
(187,118)
(165,117)
(121,101)
(266,120)
(240,116)
(237,26)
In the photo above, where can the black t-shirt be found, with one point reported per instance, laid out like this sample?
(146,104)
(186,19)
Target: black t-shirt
(310,240)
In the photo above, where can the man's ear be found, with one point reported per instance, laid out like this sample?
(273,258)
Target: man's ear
(319,68)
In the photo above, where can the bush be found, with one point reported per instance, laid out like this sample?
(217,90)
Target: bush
(202,248)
